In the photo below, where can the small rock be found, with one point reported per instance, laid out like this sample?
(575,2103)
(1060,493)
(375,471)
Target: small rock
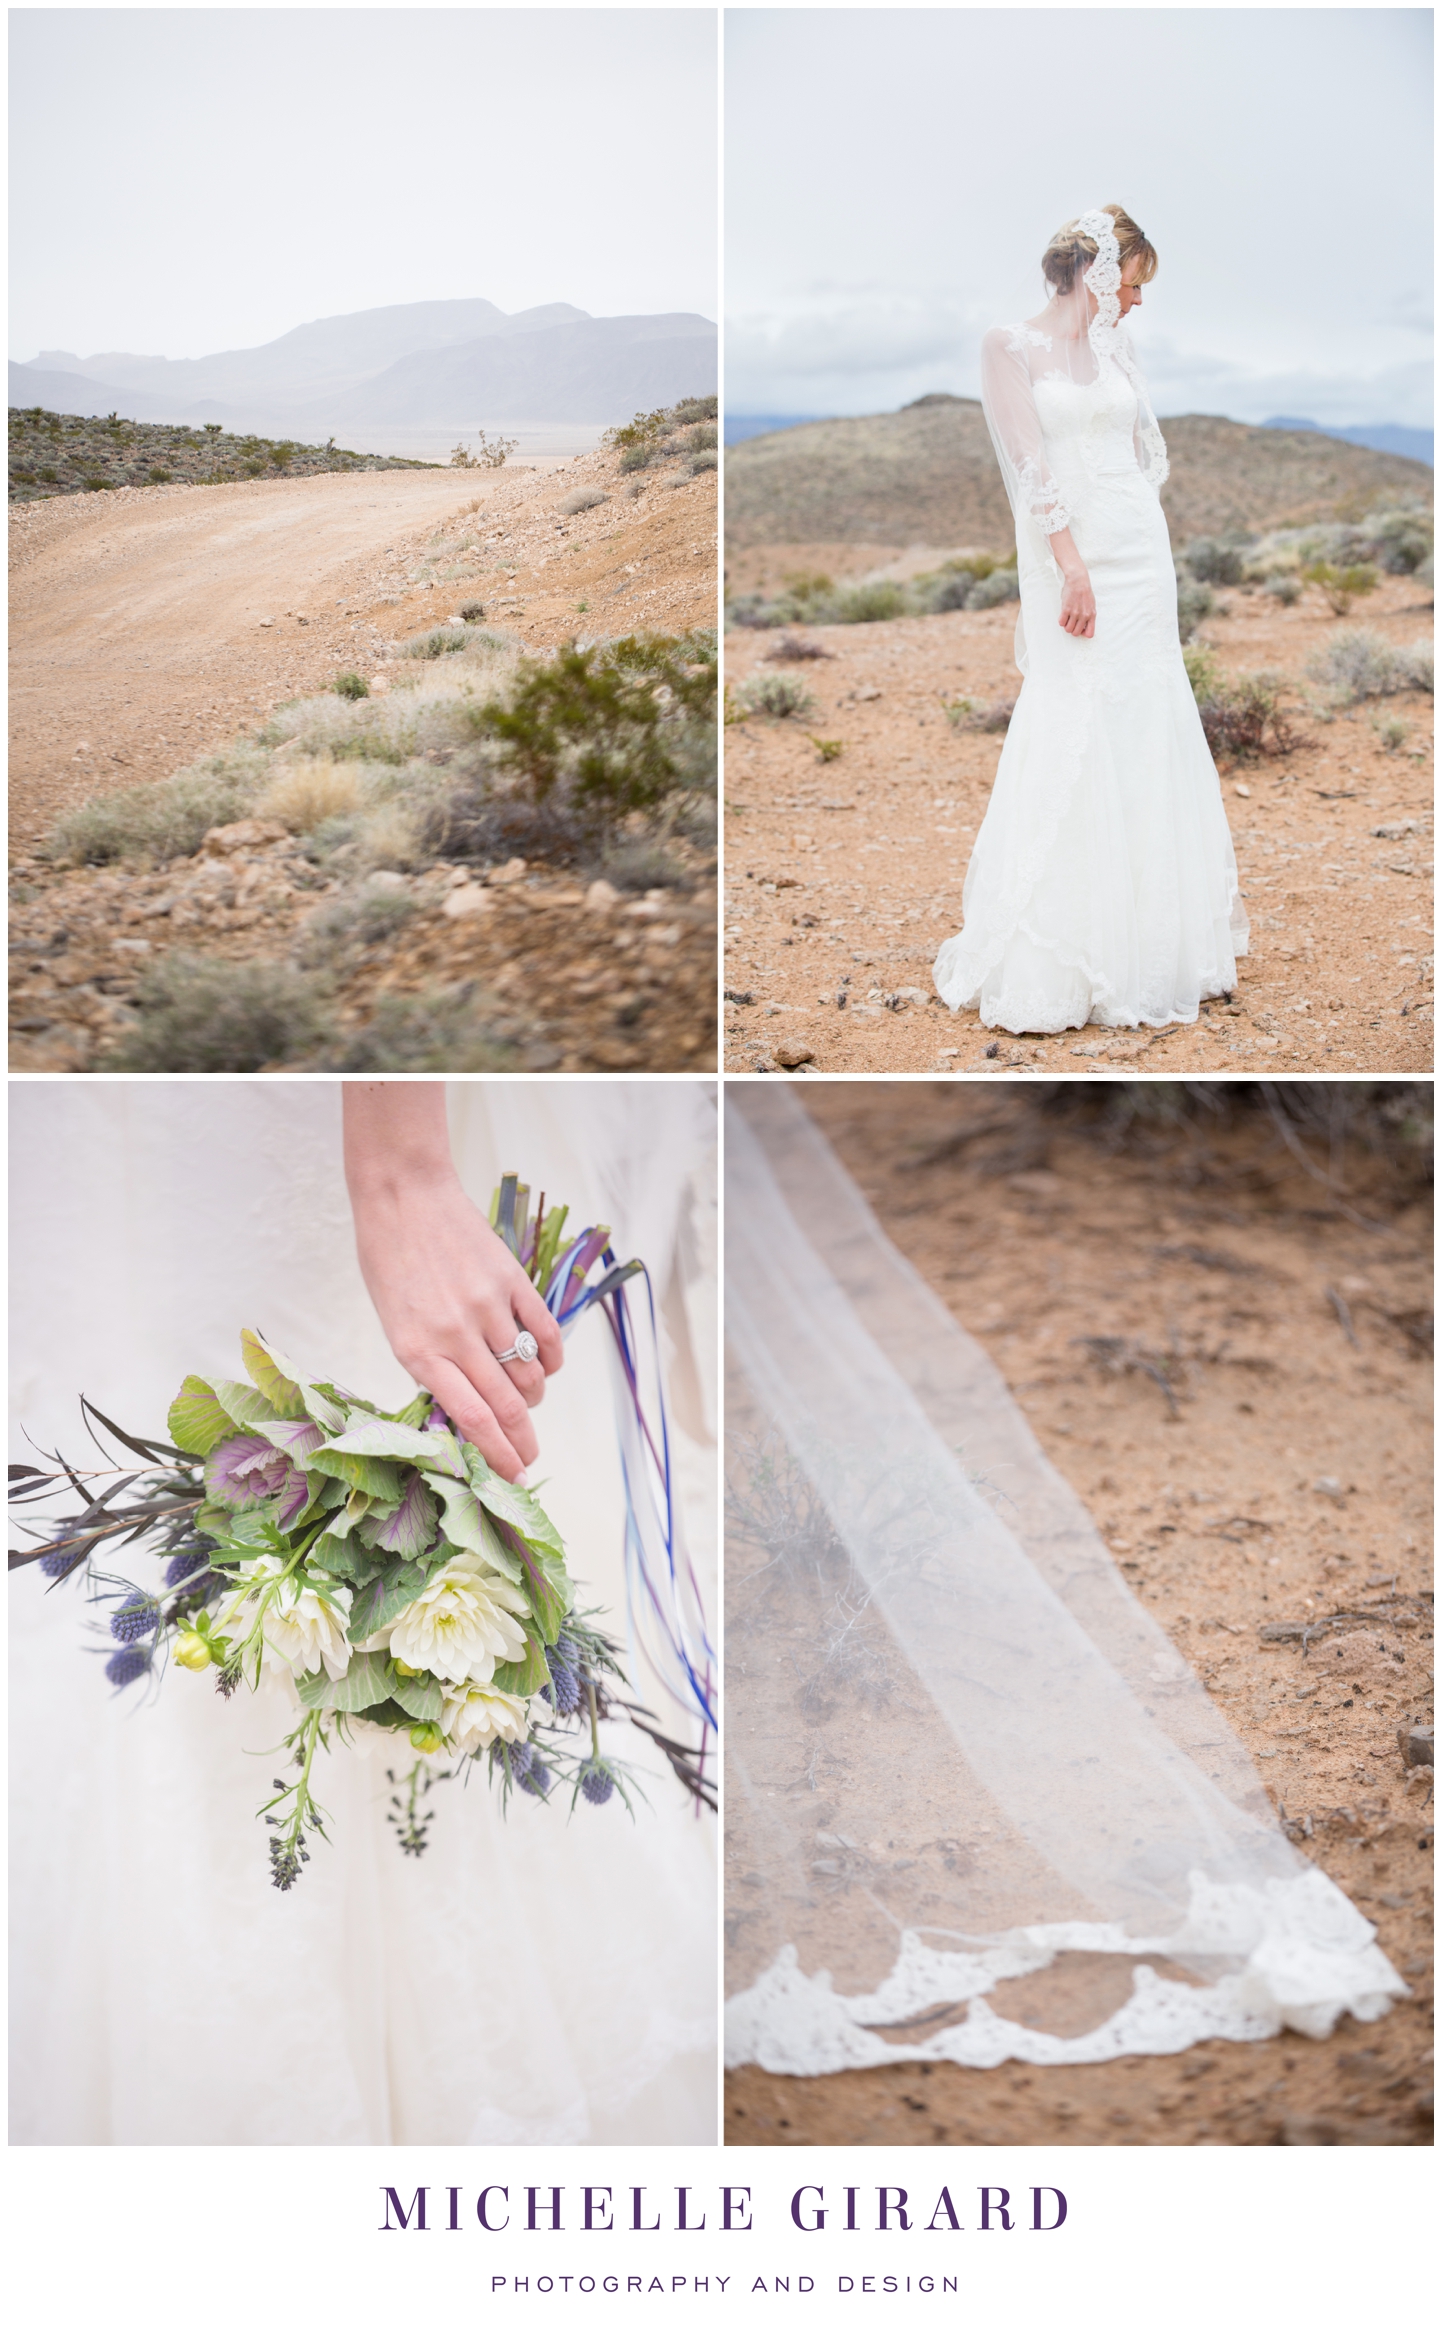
(1417,1746)
(644,909)
(461,903)
(380,685)
(389,881)
(792,1055)
(455,622)
(868,695)
(1331,1487)
(130,945)
(252,832)
(505,874)
(601,895)
(458,876)
(156,907)
(915,994)
(1243,791)
(267,624)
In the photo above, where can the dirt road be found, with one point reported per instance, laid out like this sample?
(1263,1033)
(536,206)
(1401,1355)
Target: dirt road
(147,626)
(845,874)
(1292,1480)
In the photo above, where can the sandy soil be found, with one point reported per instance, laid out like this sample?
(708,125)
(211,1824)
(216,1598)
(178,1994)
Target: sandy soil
(846,875)
(1293,1481)
(149,625)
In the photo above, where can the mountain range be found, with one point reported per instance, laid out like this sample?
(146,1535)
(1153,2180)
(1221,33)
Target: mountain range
(446,362)
(928,475)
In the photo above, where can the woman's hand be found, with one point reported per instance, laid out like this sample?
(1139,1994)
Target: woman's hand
(447,1291)
(1078,602)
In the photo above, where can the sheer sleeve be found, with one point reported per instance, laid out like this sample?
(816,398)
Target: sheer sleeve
(1147,438)
(1011,416)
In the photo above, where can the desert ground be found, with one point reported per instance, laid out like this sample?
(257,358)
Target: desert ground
(148,625)
(844,874)
(1255,1445)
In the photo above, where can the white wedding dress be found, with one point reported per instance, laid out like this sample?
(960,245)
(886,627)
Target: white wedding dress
(1103,885)
(526,1981)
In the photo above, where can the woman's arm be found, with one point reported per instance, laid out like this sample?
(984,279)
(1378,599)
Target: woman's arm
(1078,602)
(446,1290)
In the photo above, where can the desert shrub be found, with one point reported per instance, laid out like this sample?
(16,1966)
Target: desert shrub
(352,685)
(641,863)
(702,439)
(1215,559)
(1195,601)
(432,644)
(982,718)
(637,457)
(201,1017)
(473,611)
(159,476)
(1391,733)
(701,462)
(948,590)
(789,649)
(156,822)
(994,589)
(435,1033)
(870,602)
(1202,669)
(1285,587)
(1357,664)
(306,793)
(1341,585)
(584,497)
(364,917)
(775,694)
(471,820)
(1241,717)
(608,730)
(1399,539)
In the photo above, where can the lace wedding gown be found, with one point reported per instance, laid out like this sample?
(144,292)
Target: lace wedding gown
(526,1981)
(1103,885)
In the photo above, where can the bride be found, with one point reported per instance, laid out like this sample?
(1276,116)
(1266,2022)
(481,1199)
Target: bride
(527,1981)
(1103,886)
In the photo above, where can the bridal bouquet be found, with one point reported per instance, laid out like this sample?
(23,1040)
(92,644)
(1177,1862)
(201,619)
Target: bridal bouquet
(370,1564)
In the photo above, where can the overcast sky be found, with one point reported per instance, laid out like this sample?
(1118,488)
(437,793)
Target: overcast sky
(893,175)
(189,180)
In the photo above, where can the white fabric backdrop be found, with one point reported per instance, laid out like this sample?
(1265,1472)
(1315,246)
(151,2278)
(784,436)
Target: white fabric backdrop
(526,1981)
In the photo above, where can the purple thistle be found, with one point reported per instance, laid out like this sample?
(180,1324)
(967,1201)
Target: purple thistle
(185,1564)
(597,1784)
(60,1563)
(564,1691)
(135,1618)
(127,1665)
(537,1780)
(521,1758)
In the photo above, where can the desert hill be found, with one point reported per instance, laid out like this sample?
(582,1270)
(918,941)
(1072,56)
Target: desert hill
(928,474)
(451,361)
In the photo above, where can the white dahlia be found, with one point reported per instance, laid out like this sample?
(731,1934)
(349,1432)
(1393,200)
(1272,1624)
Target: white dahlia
(474,1716)
(305,1631)
(461,1627)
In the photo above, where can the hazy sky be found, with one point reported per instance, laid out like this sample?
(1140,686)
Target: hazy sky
(188,180)
(893,175)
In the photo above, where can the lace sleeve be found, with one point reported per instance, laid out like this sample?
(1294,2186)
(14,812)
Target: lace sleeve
(1011,416)
(1147,438)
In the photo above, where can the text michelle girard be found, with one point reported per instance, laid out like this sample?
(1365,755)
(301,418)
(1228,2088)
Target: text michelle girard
(636,2208)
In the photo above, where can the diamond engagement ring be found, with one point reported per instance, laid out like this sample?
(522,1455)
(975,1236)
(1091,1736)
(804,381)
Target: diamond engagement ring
(524,1347)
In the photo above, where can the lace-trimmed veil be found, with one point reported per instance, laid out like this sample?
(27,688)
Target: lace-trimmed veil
(1067,342)
(963,1759)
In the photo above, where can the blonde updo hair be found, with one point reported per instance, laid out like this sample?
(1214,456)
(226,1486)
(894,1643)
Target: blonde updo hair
(1070,249)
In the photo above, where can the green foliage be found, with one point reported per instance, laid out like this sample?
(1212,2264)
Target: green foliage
(206,1017)
(159,821)
(828,748)
(1341,585)
(1195,602)
(1218,560)
(1285,587)
(1240,717)
(1202,669)
(870,602)
(431,645)
(423,1034)
(351,685)
(1358,664)
(776,694)
(609,729)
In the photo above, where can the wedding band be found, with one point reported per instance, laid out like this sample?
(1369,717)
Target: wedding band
(524,1347)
